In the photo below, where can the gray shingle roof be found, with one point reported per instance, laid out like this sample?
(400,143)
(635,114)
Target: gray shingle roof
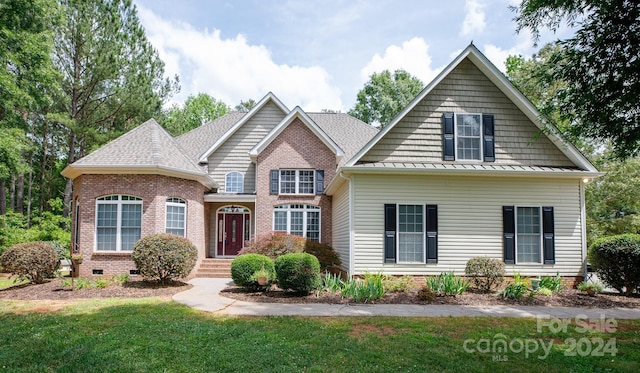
(198,140)
(147,145)
(349,133)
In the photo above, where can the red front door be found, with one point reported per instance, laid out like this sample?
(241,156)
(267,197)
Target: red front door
(233,236)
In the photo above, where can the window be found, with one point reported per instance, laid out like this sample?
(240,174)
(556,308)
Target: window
(118,222)
(297,182)
(468,137)
(176,216)
(299,220)
(234,182)
(410,233)
(529,234)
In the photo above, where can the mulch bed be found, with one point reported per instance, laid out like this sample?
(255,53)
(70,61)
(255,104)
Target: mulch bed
(54,290)
(564,298)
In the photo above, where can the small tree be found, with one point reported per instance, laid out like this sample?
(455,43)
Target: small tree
(33,261)
(164,256)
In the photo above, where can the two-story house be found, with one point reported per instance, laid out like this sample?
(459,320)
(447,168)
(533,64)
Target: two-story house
(466,169)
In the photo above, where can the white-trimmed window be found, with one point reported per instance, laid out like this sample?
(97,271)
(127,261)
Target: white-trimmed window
(297,182)
(469,136)
(411,238)
(176,216)
(298,219)
(528,235)
(234,182)
(118,222)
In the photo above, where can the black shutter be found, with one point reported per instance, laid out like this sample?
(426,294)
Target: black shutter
(448,138)
(274,182)
(489,144)
(319,181)
(548,234)
(432,234)
(509,228)
(389,233)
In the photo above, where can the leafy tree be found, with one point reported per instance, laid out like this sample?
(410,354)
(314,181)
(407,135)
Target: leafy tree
(600,65)
(245,106)
(612,200)
(112,78)
(384,95)
(196,111)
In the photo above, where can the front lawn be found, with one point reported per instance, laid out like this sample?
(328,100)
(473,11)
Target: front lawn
(153,334)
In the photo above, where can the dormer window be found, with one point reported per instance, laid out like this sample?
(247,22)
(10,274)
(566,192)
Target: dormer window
(468,137)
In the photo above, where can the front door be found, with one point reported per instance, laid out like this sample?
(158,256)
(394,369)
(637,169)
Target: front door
(232,239)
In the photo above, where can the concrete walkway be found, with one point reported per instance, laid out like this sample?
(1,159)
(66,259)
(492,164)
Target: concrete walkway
(205,296)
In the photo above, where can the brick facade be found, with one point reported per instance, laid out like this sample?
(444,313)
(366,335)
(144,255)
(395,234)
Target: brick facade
(154,190)
(296,147)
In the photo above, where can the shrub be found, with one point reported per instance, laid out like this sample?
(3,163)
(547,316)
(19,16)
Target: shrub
(298,272)
(32,261)
(616,260)
(447,283)
(164,256)
(369,288)
(485,272)
(245,266)
(426,294)
(276,244)
(588,286)
(544,291)
(393,284)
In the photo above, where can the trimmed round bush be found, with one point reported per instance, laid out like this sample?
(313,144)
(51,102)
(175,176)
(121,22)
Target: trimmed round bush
(485,272)
(164,256)
(298,272)
(275,244)
(616,260)
(244,266)
(32,261)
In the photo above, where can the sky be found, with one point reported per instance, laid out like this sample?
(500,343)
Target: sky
(319,54)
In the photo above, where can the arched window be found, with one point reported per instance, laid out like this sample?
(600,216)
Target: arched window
(298,219)
(176,216)
(234,182)
(118,222)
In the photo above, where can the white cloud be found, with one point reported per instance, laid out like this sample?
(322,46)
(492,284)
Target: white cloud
(412,56)
(232,69)
(498,56)
(473,22)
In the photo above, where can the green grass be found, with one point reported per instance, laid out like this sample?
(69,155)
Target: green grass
(6,282)
(156,335)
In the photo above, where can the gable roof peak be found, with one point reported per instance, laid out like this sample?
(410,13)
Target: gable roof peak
(297,112)
(479,60)
(269,97)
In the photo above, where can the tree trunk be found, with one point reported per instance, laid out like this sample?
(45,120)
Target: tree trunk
(45,145)
(12,193)
(68,189)
(20,194)
(3,197)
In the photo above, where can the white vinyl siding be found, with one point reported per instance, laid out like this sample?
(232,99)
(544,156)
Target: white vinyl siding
(341,224)
(469,219)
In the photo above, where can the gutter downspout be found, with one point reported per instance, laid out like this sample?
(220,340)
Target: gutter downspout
(348,179)
(583,218)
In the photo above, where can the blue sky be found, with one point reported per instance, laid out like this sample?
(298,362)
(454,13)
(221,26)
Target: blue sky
(319,54)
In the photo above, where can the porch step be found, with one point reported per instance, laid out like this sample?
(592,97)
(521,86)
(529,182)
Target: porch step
(215,268)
